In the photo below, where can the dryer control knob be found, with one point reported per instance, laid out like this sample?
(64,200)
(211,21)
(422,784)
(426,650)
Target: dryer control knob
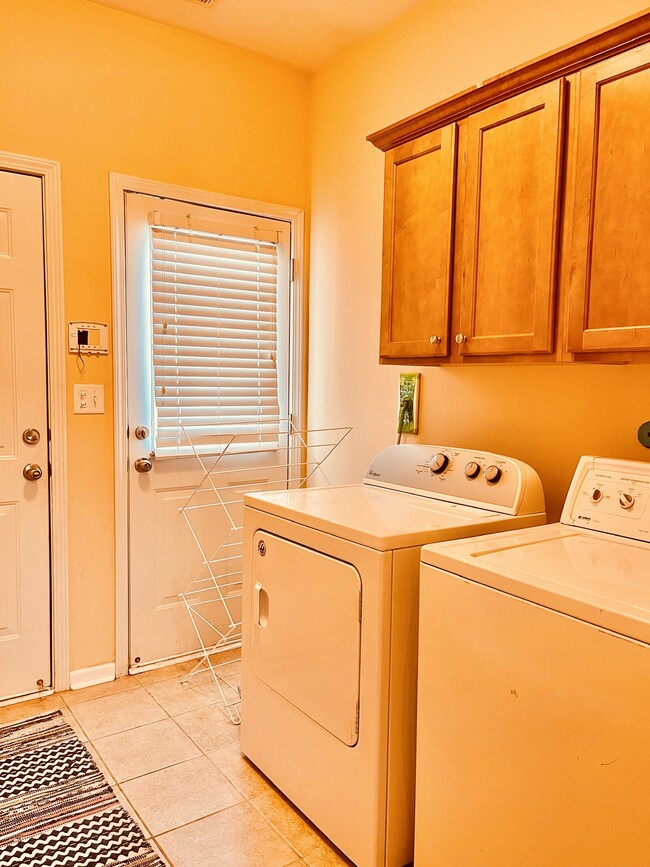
(596,495)
(625,501)
(492,474)
(438,463)
(472,469)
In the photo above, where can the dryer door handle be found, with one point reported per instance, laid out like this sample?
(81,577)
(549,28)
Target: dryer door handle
(260,606)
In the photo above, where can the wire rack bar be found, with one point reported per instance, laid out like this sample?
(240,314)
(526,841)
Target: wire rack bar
(220,628)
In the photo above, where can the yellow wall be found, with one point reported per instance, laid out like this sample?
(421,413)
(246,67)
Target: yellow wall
(547,415)
(102,91)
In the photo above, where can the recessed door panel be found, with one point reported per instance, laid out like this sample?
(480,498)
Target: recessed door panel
(609,305)
(507,228)
(418,221)
(9,572)
(306,631)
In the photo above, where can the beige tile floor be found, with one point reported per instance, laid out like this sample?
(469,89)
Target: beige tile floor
(173,760)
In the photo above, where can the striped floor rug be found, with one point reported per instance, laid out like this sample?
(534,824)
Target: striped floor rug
(56,808)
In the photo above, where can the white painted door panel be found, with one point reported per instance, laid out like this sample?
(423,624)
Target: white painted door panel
(163,555)
(25,640)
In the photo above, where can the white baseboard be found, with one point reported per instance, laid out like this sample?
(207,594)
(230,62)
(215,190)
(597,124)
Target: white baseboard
(92,676)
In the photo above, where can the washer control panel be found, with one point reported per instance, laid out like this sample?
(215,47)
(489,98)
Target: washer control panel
(610,496)
(458,475)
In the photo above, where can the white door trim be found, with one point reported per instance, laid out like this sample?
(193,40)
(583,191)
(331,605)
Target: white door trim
(50,173)
(119,186)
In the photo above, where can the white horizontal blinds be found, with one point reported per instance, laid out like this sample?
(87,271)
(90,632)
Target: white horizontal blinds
(214,318)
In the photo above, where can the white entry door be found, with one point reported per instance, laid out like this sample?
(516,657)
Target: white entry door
(25,632)
(207,357)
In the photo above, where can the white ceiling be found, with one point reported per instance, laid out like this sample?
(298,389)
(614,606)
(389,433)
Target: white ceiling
(305,33)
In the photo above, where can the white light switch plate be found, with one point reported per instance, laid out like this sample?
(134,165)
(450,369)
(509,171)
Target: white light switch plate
(88,399)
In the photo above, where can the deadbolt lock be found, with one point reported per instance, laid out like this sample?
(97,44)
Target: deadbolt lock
(141,432)
(31,436)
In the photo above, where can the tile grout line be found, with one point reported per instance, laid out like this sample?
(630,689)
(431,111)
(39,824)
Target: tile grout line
(146,773)
(223,810)
(197,745)
(277,830)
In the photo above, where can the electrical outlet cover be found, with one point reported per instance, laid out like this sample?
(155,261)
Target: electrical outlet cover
(409,398)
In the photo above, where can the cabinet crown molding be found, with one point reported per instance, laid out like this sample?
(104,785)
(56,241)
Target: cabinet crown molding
(606,43)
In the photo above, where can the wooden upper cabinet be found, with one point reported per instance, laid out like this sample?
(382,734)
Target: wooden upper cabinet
(609,284)
(417,250)
(509,187)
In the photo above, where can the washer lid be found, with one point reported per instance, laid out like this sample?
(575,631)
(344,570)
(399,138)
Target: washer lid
(599,578)
(376,517)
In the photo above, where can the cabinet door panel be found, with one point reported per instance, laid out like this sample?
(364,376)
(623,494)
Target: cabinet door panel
(509,180)
(609,307)
(418,224)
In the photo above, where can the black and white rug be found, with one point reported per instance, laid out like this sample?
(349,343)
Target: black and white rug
(56,808)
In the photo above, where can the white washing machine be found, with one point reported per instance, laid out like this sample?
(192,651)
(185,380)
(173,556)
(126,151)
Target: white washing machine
(534,686)
(329,651)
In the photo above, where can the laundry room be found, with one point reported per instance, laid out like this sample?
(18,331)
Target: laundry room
(295,141)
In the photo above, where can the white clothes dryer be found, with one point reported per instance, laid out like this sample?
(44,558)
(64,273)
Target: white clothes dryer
(330,617)
(534,686)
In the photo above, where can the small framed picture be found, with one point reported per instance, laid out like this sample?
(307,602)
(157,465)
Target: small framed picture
(409,403)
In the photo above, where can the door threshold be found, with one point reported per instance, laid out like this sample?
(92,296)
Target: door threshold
(30,696)
(175,660)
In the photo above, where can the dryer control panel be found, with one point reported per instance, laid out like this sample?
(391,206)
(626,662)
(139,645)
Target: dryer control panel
(611,496)
(480,479)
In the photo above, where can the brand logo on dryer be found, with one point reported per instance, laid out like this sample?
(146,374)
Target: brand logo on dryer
(374,474)
(584,518)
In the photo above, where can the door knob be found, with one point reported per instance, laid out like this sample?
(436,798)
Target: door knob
(460,338)
(31,436)
(434,340)
(32,472)
(143,465)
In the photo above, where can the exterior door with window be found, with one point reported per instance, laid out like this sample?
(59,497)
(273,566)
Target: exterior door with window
(208,365)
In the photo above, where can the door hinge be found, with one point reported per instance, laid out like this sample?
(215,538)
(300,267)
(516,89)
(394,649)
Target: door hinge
(292,270)
(360,606)
(356,724)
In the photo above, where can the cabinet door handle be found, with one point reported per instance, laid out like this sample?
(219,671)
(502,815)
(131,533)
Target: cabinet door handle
(460,338)
(434,339)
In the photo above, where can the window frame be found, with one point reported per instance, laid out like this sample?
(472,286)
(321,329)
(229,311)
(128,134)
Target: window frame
(120,186)
(213,225)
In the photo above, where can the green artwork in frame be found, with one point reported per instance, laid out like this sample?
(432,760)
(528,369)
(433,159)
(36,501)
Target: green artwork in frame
(409,399)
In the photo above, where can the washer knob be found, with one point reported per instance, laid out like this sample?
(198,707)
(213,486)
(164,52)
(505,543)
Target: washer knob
(625,501)
(438,463)
(492,474)
(596,495)
(472,469)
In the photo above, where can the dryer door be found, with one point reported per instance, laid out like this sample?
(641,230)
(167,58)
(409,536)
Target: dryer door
(306,631)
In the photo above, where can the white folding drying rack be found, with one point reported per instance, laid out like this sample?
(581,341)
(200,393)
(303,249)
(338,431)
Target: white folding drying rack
(288,458)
